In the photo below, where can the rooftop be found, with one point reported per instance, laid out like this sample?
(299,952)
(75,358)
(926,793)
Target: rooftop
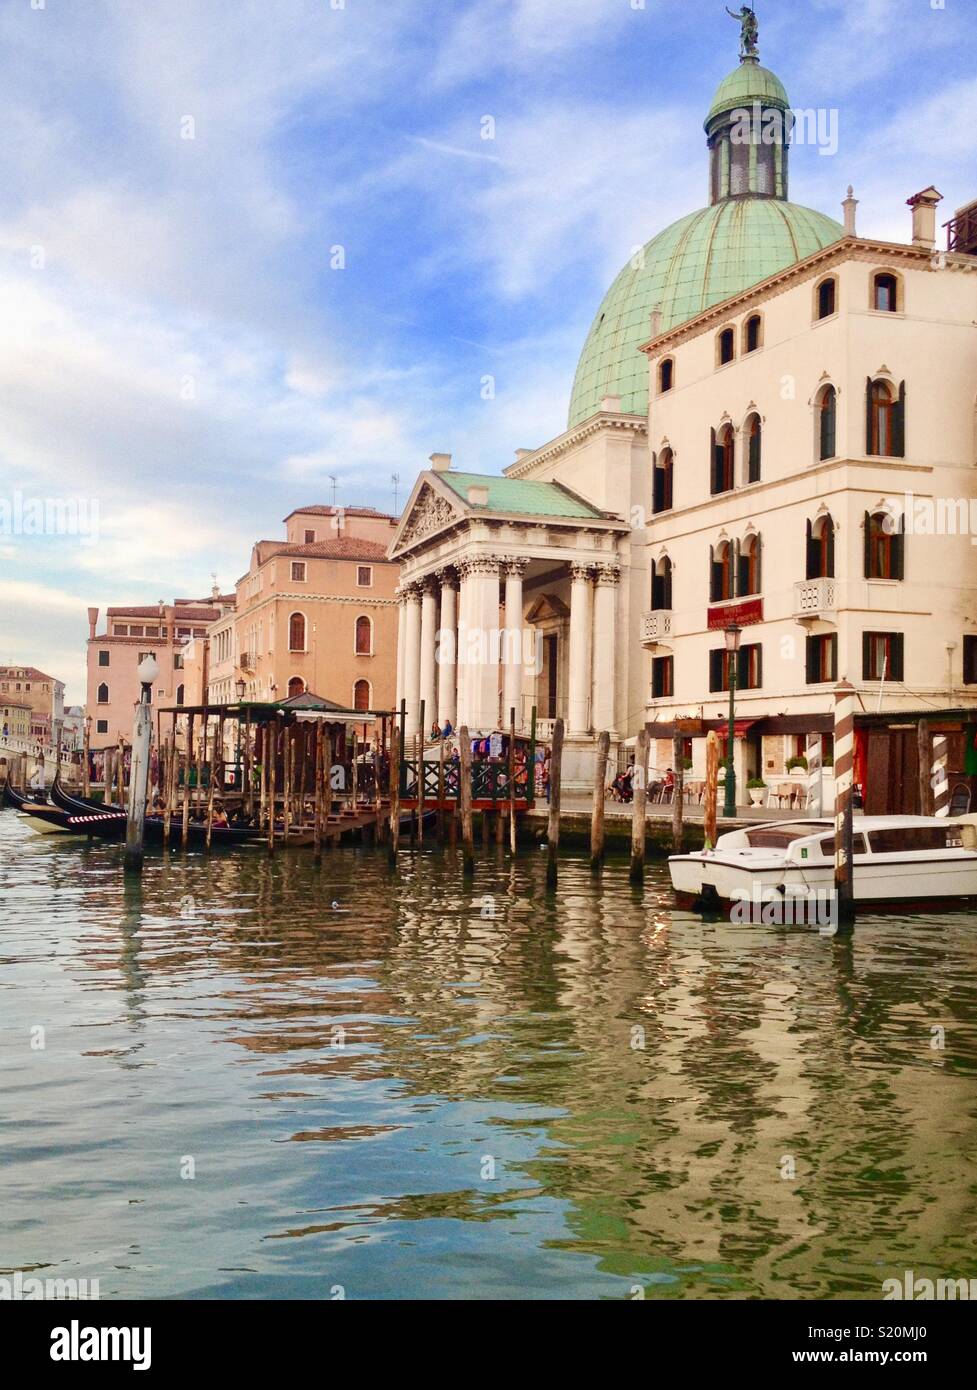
(340,511)
(514,495)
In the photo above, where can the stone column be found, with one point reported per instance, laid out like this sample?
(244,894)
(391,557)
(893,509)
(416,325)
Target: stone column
(579,659)
(484,673)
(513,655)
(429,670)
(463,710)
(412,656)
(605,648)
(448,650)
(401,598)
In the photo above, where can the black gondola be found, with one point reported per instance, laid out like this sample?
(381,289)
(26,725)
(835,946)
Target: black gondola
(196,832)
(83,821)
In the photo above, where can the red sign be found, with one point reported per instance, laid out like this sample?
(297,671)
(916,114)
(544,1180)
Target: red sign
(745,614)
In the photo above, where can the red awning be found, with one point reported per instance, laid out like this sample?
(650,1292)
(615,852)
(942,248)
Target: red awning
(741,727)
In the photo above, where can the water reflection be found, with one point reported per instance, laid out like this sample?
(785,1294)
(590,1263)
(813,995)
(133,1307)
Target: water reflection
(401,1087)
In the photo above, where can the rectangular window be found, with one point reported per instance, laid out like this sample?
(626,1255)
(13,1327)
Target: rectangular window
(749,668)
(136,632)
(882,656)
(662,677)
(177,661)
(120,630)
(822,658)
(298,571)
(101,726)
(364,576)
(310,538)
(103,658)
(970,660)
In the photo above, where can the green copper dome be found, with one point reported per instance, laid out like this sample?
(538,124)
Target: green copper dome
(748,83)
(696,262)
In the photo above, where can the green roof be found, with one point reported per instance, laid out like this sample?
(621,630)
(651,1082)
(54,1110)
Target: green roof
(697,262)
(512,495)
(748,83)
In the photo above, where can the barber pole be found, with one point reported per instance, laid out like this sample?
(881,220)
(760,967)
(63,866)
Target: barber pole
(844,737)
(814,796)
(940,781)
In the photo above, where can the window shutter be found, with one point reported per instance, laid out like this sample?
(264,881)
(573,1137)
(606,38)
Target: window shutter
(759,666)
(715,670)
(755,447)
(899,550)
(759,565)
(866,656)
(712,574)
(713,463)
(737,571)
(811,656)
(830,526)
(868,546)
(828,418)
(896,647)
(899,424)
(812,567)
(868,416)
(833,659)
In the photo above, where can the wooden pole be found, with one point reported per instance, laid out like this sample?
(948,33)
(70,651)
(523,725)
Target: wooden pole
(639,824)
(263,790)
(288,755)
(844,725)
(678,793)
(211,774)
(121,770)
(394,838)
(465,801)
(86,780)
(941,783)
(188,763)
(512,780)
(597,810)
(272,729)
(355,772)
(553,826)
(815,800)
(319,760)
(441,793)
(924,756)
(419,746)
(711,794)
(171,778)
(247,772)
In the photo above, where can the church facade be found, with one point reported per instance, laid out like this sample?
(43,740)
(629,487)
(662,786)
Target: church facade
(773,428)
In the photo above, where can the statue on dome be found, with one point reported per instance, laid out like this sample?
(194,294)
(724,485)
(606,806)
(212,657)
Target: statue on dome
(751,30)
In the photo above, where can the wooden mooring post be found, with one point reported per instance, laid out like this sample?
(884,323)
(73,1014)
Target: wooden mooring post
(512,781)
(597,811)
(187,766)
(317,825)
(711,794)
(393,841)
(553,824)
(465,801)
(169,795)
(844,732)
(678,794)
(272,752)
(639,807)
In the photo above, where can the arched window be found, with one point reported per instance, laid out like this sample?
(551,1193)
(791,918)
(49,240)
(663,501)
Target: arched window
(725,347)
(752,333)
(722,460)
(748,576)
(827,423)
(661,585)
(103,694)
(753,441)
(296,686)
(364,637)
(180,694)
(361,695)
(661,498)
(296,632)
(821,549)
(886,420)
(721,572)
(827,297)
(885,293)
(666,375)
(885,546)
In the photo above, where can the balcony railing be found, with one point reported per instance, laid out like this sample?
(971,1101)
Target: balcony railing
(249,661)
(815,599)
(656,626)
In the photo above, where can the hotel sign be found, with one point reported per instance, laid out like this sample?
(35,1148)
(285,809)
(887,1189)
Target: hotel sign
(745,614)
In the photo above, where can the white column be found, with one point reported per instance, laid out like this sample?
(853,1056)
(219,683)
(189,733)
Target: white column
(514,571)
(463,711)
(412,657)
(605,648)
(581,622)
(447,650)
(429,670)
(485,673)
(401,642)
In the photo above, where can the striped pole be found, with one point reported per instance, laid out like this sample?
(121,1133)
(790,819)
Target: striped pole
(844,721)
(940,781)
(814,799)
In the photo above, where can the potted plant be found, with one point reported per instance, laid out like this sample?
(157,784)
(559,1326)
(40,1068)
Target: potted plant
(757,789)
(797,763)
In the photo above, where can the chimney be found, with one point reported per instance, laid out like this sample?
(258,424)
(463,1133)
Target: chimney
(523,454)
(440,462)
(924,207)
(92,623)
(656,320)
(478,495)
(849,205)
(611,405)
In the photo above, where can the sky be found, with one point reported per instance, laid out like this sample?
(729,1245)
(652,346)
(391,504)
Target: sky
(249,248)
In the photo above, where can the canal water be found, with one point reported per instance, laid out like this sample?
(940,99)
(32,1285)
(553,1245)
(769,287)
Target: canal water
(256,1079)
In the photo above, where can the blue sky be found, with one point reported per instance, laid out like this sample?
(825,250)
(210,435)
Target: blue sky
(175,340)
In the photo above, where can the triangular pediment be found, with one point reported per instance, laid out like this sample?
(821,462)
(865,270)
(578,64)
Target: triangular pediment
(428,511)
(547,606)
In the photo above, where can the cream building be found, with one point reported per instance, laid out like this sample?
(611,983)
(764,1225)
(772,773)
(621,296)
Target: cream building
(772,426)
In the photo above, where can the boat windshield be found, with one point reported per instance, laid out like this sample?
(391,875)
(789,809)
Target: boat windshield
(777,836)
(910,839)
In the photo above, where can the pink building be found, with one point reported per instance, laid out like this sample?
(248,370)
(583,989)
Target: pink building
(131,634)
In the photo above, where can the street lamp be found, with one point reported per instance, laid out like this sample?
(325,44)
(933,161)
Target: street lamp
(733,633)
(240,685)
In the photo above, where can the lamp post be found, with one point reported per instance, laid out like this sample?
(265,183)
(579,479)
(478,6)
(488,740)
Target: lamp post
(733,633)
(240,685)
(142,736)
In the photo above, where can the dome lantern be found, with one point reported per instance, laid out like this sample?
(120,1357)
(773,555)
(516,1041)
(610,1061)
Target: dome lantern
(748,126)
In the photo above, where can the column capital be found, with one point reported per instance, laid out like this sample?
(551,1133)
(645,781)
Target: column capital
(480,564)
(428,585)
(516,567)
(447,578)
(409,592)
(608,574)
(581,571)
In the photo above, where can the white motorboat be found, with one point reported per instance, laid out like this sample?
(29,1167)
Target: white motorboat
(907,862)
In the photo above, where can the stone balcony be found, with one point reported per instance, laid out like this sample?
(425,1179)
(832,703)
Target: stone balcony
(815,600)
(656,627)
